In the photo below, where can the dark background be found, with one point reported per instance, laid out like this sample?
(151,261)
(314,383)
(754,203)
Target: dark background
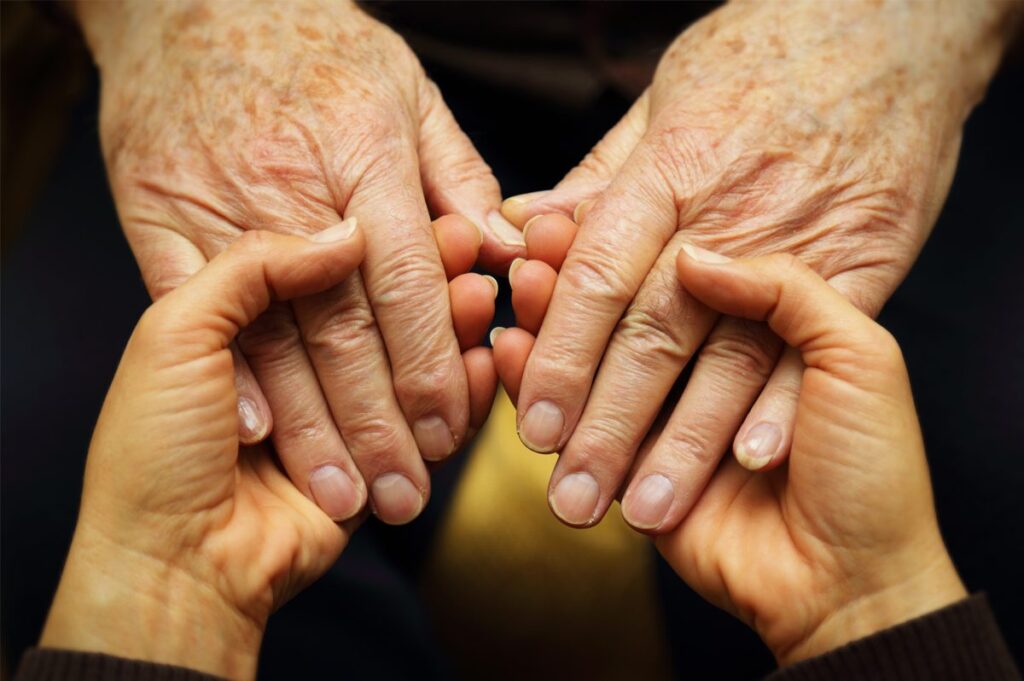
(71,294)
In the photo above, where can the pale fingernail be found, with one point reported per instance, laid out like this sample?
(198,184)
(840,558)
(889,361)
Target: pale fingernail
(251,427)
(495,332)
(516,264)
(494,283)
(504,230)
(705,256)
(580,211)
(334,492)
(395,499)
(759,446)
(520,199)
(646,504)
(574,498)
(529,222)
(434,438)
(339,232)
(541,428)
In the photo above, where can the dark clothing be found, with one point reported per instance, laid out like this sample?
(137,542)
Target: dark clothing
(960,642)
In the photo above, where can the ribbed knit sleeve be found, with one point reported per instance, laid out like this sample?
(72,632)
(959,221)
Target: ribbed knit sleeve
(47,664)
(959,642)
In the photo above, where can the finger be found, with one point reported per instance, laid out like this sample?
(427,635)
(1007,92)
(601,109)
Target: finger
(613,251)
(831,334)
(240,283)
(766,436)
(472,299)
(548,238)
(343,342)
(511,349)
(764,439)
(532,283)
(658,335)
(308,443)
(456,180)
(730,371)
(483,384)
(254,419)
(591,176)
(458,242)
(408,291)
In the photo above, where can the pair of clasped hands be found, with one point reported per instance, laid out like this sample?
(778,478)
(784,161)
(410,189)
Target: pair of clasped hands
(276,168)
(187,540)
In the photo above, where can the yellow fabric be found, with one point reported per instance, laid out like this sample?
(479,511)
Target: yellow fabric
(514,593)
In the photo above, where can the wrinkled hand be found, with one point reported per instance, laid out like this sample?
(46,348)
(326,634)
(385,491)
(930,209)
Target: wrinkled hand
(219,118)
(827,131)
(796,552)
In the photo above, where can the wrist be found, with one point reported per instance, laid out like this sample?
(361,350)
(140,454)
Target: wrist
(129,604)
(927,589)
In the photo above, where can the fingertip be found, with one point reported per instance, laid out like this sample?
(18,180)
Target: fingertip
(511,350)
(472,305)
(458,242)
(549,237)
(532,283)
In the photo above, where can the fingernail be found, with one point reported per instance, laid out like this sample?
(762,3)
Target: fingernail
(495,332)
(646,504)
(504,230)
(520,199)
(574,499)
(494,283)
(251,428)
(479,233)
(516,264)
(705,256)
(580,211)
(759,446)
(434,438)
(529,222)
(541,428)
(339,232)
(334,492)
(395,499)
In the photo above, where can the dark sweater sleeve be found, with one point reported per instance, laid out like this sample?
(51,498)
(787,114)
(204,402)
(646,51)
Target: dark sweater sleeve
(49,664)
(959,642)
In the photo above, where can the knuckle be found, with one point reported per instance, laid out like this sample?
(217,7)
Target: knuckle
(271,336)
(604,443)
(654,326)
(690,445)
(344,329)
(743,351)
(409,278)
(423,387)
(376,438)
(599,274)
(560,368)
(303,429)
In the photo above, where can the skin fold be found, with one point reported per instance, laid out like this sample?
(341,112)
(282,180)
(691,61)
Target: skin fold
(826,130)
(289,117)
(842,541)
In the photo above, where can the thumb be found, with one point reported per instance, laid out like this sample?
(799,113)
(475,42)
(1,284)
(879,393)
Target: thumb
(800,306)
(206,312)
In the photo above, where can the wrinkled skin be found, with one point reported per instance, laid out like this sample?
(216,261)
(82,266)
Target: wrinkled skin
(843,541)
(288,117)
(823,131)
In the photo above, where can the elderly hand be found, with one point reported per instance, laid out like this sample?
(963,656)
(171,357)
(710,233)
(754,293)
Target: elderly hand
(842,542)
(185,544)
(219,118)
(825,130)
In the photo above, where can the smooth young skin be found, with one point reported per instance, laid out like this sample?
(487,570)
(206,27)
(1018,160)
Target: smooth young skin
(218,118)
(186,543)
(843,541)
(826,130)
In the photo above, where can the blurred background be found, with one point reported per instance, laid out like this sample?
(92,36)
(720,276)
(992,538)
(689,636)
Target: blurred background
(473,586)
